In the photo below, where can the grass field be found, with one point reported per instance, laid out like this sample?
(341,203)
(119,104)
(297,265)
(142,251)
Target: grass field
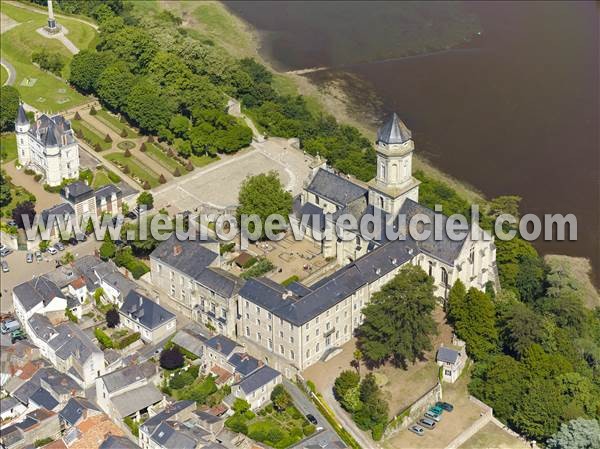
(3,75)
(137,171)
(493,437)
(8,147)
(90,135)
(163,158)
(201,161)
(113,123)
(101,179)
(47,92)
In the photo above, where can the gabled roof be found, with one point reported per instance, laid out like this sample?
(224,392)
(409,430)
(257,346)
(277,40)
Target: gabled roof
(44,399)
(8,403)
(244,364)
(393,131)
(259,378)
(137,399)
(106,192)
(447,355)
(76,192)
(122,378)
(74,410)
(145,311)
(221,344)
(172,409)
(335,188)
(35,291)
(114,442)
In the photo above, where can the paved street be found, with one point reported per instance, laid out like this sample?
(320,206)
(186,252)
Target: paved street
(21,271)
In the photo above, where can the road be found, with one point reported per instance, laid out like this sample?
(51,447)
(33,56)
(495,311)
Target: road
(12,73)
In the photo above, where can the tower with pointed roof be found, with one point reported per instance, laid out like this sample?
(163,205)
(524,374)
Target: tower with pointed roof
(394,181)
(48,146)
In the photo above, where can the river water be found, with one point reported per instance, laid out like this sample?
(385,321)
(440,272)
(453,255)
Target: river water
(514,112)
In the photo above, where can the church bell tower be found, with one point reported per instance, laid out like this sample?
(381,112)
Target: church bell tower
(394,182)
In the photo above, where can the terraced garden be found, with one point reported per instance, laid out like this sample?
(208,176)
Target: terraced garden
(201,161)
(115,124)
(159,155)
(135,169)
(90,134)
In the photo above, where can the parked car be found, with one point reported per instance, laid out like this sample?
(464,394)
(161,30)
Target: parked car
(17,335)
(436,418)
(445,405)
(73,241)
(5,251)
(52,250)
(436,410)
(38,256)
(59,246)
(427,423)
(29,258)
(12,223)
(417,430)
(9,326)
(311,419)
(5,268)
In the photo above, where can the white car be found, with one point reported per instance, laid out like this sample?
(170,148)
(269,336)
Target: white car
(52,250)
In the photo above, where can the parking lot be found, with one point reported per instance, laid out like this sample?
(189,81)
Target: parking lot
(217,184)
(21,271)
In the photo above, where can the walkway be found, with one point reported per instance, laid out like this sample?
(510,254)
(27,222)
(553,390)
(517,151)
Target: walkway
(12,73)
(44,199)
(43,11)
(61,36)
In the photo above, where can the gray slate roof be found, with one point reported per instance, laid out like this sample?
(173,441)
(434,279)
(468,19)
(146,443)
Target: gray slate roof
(121,378)
(21,116)
(145,311)
(77,191)
(393,131)
(106,192)
(74,409)
(172,409)
(335,188)
(114,442)
(58,212)
(188,256)
(35,291)
(189,341)
(44,399)
(244,363)
(8,403)
(137,399)
(221,344)
(171,435)
(447,355)
(257,379)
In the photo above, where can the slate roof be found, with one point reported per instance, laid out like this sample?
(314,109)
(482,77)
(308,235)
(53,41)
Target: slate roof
(172,409)
(220,281)
(35,291)
(114,442)
(44,399)
(8,403)
(11,436)
(77,191)
(72,341)
(207,417)
(21,116)
(59,212)
(106,192)
(192,259)
(221,344)
(335,188)
(58,382)
(393,131)
(257,379)
(121,378)
(74,410)
(121,283)
(145,311)
(190,341)
(315,215)
(170,435)
(447,355)
(244,363)
(137,399)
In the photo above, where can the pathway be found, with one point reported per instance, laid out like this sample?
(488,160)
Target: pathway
(44,199)
(43,11)
(61,36)
(12,73)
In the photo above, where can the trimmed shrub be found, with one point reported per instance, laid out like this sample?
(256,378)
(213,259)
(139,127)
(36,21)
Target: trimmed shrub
(123,133)
(103,339)
(108,139)
(162,179)
(125,169)
(176,172)
(93,111)
(127,153)
(127,340)
(146,185)
(308,429)
(143,147)
(290,280)
(113,177)
(97,148)
(77,116)
(151,139)
(189,166)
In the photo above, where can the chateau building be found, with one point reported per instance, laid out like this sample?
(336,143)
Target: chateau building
(48,146)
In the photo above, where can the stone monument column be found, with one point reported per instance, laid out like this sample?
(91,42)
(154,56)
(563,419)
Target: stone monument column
(52,27)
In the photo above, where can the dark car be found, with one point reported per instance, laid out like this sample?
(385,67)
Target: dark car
(445,405)
(59,246)
(73,241)
(427,423)
(311,419)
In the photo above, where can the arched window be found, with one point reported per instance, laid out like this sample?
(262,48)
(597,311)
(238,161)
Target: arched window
(394,174)
(430,268)
(444,277)
(382,169)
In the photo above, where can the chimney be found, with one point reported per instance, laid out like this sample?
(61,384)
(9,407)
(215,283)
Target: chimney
(177,250)
(219,347)
(141,302)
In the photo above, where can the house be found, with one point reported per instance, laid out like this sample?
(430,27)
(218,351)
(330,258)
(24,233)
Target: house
(325,439)
(452,362)
(104,275)
(14,357)
(48,146)
(177,411)
(218,350)
(37,425)
(60,386)
(39,295)
(90,433)
(256,388)
(116,442)
(190,272)
(41,398)
(151,320)
(68,348)
(76,410)
(192,339)
(10,408)
(129,391)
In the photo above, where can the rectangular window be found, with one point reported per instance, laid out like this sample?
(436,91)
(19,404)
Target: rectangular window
(307,353)
(269,315)
(291,354)
(247,331)
(317,348)
(258,336)
(292,340)
(281,349)
(270,344)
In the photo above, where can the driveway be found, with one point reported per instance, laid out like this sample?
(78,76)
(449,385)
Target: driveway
(12,73)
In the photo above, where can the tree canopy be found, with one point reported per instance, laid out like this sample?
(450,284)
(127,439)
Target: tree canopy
(9,105)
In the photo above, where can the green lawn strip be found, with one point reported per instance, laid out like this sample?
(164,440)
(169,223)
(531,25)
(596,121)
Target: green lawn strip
(114,123)
(8,147)
(47,93)
(101,179)
(201,161)
(90,135)
(137,170)
(163,158)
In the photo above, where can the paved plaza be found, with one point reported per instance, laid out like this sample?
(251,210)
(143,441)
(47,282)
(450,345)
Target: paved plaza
(217,185)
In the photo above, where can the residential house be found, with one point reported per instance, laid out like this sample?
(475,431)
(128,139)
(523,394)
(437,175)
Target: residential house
(10,408)
(37,425)
(191,338)
(115,442)
(190,272)
(76,410)
(60,386)
(39,295)
(256,388)
(151,320)
(452,362)
(129,391)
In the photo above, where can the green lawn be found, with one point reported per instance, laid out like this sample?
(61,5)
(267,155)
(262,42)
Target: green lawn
(101,179)
(201,161)
(114,123)
(18,195)
(8,147)
(90,134)
(47,92)
(137,171)
(3,75)
(163,158)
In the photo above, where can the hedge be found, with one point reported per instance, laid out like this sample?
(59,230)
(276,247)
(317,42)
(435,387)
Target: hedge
(103,339)
(127,340)
(290,280)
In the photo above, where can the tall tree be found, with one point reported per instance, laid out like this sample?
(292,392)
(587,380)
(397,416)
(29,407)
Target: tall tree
(114,84)
(86,68)
(476,324)
(456,301)
(9,104)
(578,433)
(398,321)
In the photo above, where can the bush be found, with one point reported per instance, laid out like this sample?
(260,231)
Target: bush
(127,340)
(176,172)
(226,247)
(42,442)
(97,148)
(113,318)
(127,153)
(37,177)
(134,426)
(71,316)
(146,185)
(171,359)
(143,147)
(113,177)
(103,339)
(290,280)
(108,139)
(261,267)
(162,179)
(93,111)
(308,429)
(77,116)
(237,424)
(107,250)
(240,406)
(377,432)
(123,133)
(189,166)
